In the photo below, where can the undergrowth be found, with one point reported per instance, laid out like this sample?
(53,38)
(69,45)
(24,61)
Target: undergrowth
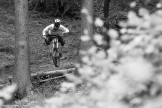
(127,75)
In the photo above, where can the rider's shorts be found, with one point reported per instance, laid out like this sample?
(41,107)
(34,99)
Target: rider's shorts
(60,39)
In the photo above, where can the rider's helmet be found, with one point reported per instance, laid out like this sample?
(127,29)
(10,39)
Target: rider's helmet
(57,23)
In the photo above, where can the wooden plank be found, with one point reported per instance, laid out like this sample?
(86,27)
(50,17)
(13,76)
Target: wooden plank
(55,73)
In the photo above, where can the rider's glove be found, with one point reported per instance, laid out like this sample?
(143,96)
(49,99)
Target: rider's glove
(44,36)
(61,34)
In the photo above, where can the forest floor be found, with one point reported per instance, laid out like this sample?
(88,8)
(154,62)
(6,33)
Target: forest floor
(39,53)
(40,59)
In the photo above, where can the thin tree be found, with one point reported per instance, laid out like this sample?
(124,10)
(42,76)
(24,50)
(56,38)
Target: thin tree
(87,25)
(87,22)
(106,8)
(106,12)
(22,71)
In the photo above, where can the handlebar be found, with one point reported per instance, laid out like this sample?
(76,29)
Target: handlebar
(52,35)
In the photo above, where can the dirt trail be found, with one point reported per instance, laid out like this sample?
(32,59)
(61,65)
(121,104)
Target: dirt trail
(39,53)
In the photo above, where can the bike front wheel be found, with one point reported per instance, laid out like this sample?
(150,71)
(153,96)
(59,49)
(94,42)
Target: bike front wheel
(56,58)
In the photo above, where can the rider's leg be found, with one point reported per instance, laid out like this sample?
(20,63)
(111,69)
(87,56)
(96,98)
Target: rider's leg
(48,40)
(62,41)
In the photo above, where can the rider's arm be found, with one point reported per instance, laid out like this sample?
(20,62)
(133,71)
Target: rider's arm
(63,29)
(47,30)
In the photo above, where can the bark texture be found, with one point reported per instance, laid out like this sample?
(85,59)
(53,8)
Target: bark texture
(22,71)
(87,22)
(106,8)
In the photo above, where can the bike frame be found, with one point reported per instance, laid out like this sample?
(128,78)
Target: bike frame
(55,46)
(55,50)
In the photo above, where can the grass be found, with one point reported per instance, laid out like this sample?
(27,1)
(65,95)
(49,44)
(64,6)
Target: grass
(39,53)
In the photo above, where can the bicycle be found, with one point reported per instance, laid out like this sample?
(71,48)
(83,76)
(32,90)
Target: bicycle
(55,50)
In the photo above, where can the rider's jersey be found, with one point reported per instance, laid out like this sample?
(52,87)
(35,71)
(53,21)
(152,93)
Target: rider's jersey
(49,30)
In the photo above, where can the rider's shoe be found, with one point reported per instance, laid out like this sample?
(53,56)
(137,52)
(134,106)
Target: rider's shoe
(46,44)
(61,56)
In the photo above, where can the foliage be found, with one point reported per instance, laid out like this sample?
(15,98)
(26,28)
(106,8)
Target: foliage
(118,9)
(6,93)
(130,76)
(56,7)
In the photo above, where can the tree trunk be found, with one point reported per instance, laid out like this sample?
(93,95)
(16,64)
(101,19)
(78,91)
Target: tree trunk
(22,71)
(106,8)
(87,22)
(87,25)
(106,13)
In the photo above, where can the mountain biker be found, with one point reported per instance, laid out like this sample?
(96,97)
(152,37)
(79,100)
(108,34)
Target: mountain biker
(56,28)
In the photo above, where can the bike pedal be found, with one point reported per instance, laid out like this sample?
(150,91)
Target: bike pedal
(63,58)
(56,66)
(60,55)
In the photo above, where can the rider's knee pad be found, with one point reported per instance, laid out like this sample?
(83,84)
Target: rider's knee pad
(47,42)
(62,43)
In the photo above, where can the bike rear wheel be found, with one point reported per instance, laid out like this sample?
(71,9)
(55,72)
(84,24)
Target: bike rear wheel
(56,58)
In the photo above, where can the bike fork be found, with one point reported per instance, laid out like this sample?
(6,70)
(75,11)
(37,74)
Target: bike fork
(55,46)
